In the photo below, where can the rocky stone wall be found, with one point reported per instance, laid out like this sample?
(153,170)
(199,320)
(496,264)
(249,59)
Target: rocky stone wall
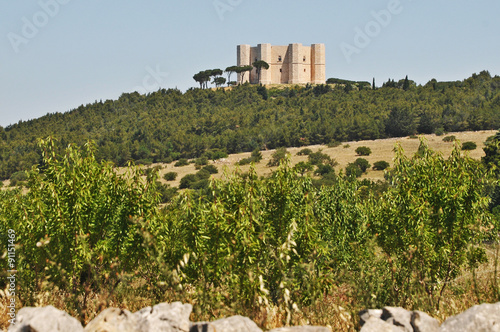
(174,317)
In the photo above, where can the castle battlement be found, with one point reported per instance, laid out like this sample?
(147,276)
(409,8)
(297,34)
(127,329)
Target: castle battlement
(290,64)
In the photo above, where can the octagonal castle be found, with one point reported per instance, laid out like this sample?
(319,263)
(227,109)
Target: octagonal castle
(290,64)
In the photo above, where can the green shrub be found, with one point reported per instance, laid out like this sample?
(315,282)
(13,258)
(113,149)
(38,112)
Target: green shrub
(211,169)
(187,181)
(215,154)
(317,158)
(439,132)
(353,170)
(450,138)
(255,157)
(324,169)
(304,152)
(170,176)
(469,146)
(431,221)
(181,162)
(166,192)
(363,151)
(363,164)
(199,162)
(303,167)
(277,157)
(334,144)
(380,165)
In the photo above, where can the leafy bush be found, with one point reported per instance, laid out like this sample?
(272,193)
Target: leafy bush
(318,157)
(450,138)
(277,157)
(363,151)
(430,222)
(362,163)
(439,132)
(380,165)
(166,192)
(187,181)
(304,152)
(199,162)
(353,170)
(303,167)
(181,162)
(18,178)
(334,144)
(469,146)
(211,169)
(323,169)
(170,176)
(78,221)
(255,157)
(215,154)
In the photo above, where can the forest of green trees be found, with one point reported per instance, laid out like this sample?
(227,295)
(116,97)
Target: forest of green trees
(167,125)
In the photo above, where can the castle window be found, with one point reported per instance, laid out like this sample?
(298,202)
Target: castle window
(279,58)
(304,70)
(281,70)
(304,58)
(255,59)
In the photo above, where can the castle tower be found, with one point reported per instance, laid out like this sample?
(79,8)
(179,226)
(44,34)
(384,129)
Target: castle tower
(243,59)
(265,55)
(318,75)
(295,64)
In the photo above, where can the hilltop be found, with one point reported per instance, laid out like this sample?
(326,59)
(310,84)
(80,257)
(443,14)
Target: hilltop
(166,125)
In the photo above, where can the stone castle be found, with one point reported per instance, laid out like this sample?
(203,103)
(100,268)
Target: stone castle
(290,64)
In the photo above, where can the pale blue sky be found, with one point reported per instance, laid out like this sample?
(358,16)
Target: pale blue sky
(59,54)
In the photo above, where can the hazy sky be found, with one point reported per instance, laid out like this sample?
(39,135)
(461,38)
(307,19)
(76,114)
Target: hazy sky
(59,54)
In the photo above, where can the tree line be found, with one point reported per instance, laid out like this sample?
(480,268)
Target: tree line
(167,125)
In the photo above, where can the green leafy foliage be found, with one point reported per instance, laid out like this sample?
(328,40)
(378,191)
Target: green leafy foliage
(430,220)
(469,146)
(316,158)
(363,151)
(304,152)
(450,138)
(78,219)
(362,163)
(380,165)
(278,156)
(170,176)
(255,157)
(181,162)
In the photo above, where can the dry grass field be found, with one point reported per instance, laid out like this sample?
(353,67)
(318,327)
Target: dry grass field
(382,149)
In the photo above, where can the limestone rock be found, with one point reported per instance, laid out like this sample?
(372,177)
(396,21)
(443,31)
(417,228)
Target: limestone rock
(235,324)
(202,327)
(374,324)
(164,317)
(422,322)
(302,329)
(364,315)
(479,318)
(113,320)
(397,316)
(45,319)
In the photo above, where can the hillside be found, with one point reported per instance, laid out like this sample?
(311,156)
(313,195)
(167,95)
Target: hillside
(168,124)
